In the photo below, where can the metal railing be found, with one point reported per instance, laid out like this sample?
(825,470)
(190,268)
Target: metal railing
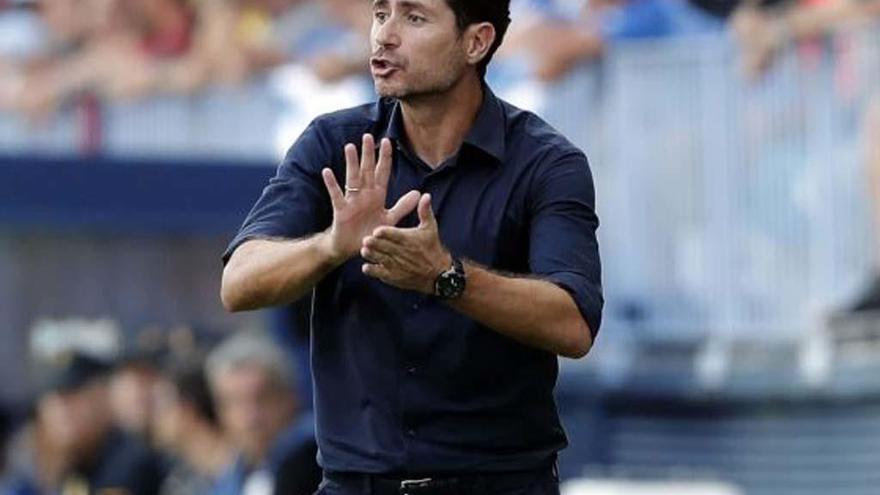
(729,208)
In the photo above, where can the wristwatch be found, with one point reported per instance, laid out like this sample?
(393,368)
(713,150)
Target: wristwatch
(451,283)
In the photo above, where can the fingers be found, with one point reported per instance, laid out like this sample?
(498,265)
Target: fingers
(336,196)
(426,213)
(379,251)
(383,169)
(391,234)
(352,168)
(368,161)
(404,206)
(376,271)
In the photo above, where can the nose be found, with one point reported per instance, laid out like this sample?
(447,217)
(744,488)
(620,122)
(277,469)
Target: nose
(385,34)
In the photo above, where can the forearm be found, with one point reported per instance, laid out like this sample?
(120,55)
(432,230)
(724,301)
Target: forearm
(263,273)
(813,20)
(531,311)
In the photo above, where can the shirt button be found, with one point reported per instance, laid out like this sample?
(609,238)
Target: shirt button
(411,370)
(411,432)
(415,306)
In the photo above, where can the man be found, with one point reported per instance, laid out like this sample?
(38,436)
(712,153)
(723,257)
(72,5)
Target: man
(253,386)
(435,342)
(135,376)
(74,446)
(185,425)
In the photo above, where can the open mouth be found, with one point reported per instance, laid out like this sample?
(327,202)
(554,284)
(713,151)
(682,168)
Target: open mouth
(381,67)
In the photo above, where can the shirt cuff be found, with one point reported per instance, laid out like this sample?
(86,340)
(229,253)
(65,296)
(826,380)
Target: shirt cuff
(587,297)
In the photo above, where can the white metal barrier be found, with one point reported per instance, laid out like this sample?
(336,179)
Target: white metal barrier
(727,207)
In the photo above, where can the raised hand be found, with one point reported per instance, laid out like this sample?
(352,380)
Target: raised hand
(361,209)
(409,259)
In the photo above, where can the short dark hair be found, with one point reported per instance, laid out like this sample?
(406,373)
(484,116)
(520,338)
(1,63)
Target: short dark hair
(189,381)
(496,12)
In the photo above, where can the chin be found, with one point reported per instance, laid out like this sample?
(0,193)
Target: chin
(389,91)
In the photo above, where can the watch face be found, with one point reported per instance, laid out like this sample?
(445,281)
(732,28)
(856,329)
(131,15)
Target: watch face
(450,285)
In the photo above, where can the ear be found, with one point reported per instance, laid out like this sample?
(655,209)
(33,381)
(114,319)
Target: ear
(478,40)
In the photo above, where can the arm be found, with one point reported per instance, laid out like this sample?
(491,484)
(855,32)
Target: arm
(811,20)
(557,309)
(563,47)
(262,272)
(520,309)
(762,34)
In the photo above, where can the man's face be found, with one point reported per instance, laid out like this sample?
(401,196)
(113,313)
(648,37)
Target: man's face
(75,420)
(254,409)
(131,397)
(417,48)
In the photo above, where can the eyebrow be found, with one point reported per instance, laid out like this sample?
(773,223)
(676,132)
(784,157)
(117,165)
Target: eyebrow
(406,4)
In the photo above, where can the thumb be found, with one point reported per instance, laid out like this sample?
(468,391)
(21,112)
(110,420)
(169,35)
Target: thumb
(426,213)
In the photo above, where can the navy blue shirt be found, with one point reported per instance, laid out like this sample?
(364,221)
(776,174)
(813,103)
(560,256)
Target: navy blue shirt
(404,383)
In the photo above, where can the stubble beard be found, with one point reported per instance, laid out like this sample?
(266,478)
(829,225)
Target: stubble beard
(423,88)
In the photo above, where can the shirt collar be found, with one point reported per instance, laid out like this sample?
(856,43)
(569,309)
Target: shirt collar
(487,133)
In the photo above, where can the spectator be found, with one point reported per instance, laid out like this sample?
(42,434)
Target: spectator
(84,37)
(73,443)
(762,32)
(559,41)
(104,47)
(186,426)
(131,394)
(252,381)
(349,54)
(123,50)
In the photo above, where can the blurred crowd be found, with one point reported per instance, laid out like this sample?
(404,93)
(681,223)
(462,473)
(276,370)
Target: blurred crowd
(180,419)
(54,51)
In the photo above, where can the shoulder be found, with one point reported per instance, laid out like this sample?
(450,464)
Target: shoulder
(530,136)
(343,122)
(128,462)
(327,134)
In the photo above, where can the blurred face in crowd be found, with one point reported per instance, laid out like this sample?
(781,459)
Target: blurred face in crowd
(131,396)
(418,49)
(254,408)
(75,421)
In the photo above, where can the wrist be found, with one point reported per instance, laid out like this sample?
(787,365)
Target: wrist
(441,263)
(331,256)
(450,283)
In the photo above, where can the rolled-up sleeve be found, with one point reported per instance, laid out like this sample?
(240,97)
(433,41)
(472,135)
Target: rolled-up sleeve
(563,245)
(295,203)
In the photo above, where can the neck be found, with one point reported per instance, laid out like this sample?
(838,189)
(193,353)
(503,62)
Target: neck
(205,450)
(437,124)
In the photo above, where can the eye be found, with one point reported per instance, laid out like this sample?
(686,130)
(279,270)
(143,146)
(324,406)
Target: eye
(380,16)
(415,19)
